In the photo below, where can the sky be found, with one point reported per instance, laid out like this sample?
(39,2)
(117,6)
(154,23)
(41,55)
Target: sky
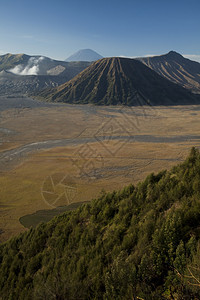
(134,28)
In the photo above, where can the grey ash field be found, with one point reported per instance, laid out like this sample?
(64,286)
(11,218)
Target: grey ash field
(54,155)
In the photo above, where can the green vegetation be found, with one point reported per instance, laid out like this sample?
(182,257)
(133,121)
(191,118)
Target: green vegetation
(141,242)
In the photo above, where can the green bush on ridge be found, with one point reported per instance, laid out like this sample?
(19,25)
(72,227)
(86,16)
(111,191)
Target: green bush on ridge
(140,242)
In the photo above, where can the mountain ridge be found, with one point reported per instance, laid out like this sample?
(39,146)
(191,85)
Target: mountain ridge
(116,80)
(21,73)
(44,65)
(176,68)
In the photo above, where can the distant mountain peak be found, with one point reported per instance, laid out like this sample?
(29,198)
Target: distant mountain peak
(174,54)
(84,55)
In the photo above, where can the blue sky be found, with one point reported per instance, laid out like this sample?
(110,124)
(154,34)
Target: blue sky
(112,28)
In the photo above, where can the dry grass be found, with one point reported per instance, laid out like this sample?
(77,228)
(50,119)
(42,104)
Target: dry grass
(88,167)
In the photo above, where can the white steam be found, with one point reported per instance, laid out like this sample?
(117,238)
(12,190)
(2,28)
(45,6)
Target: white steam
(32,67)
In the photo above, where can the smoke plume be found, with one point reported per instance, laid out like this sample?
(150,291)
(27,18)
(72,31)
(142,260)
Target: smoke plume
(32,67)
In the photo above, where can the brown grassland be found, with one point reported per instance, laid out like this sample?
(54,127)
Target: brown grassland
(90,149)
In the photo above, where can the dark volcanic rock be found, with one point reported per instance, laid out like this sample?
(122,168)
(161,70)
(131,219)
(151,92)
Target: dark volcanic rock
(113,81)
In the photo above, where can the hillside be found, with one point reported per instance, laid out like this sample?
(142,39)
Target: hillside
(84,55)
(22,64)
(113,81)
(176,68)
(22,74)
(142,242)
(9,60)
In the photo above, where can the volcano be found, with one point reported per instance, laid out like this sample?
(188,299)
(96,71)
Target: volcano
(120,81)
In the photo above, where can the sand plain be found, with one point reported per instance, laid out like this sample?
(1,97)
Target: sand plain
(54,155)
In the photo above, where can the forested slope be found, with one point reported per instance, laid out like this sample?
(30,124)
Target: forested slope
(142,241)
